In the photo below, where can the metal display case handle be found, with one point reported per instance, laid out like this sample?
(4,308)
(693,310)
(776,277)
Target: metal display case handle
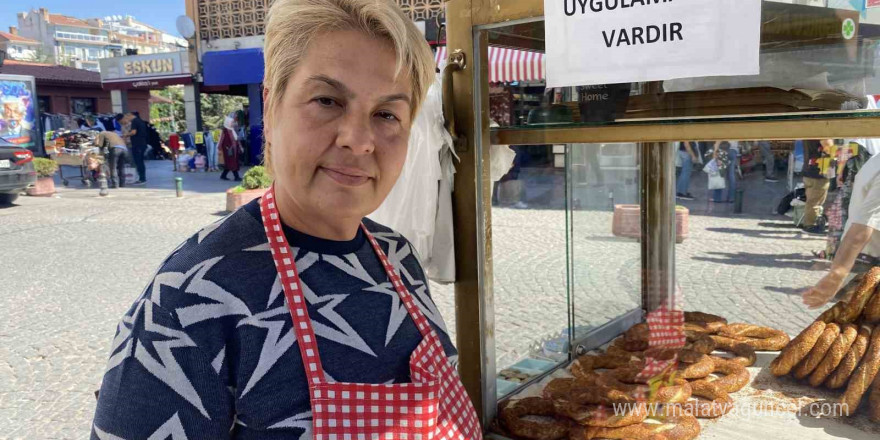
(457,62)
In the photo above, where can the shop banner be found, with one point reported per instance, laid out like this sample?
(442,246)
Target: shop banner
(872,4)
(592,42)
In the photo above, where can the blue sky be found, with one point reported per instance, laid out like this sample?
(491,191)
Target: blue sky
(159,13)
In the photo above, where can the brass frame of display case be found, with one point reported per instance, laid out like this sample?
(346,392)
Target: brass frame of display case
(467,21)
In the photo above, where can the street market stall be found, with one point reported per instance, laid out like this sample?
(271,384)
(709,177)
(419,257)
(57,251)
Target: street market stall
(605,298)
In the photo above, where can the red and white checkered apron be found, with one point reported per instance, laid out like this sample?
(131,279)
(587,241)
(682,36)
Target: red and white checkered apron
(433,406)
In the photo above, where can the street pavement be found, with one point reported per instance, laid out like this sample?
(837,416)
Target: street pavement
(74,263)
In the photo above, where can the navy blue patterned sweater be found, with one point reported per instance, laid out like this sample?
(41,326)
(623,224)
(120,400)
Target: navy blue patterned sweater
(208,350)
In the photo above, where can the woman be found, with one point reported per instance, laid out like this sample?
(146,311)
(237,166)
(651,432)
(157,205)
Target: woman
(324,340)
(228,144)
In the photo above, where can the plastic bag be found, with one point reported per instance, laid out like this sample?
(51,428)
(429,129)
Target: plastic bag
(716,181)
(711,167)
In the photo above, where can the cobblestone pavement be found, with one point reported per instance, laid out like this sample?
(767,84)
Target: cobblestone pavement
(74,263)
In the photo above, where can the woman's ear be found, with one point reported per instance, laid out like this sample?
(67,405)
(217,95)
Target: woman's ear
(267,132)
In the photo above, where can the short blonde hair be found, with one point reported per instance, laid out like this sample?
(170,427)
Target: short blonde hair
(293,24)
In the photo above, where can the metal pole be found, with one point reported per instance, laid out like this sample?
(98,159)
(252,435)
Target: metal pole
(178,185)
(658,224)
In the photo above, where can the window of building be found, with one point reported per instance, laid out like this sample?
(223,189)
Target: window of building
(44,104)
(81,106)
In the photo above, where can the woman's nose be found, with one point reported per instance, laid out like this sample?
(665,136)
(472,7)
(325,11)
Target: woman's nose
(355,133)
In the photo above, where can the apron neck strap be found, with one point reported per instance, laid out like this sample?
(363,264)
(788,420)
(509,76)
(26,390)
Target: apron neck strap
(285,263)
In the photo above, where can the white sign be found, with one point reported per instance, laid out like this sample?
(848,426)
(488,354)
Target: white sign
(619,41)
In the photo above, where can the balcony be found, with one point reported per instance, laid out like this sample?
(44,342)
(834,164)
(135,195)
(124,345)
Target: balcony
(85,38)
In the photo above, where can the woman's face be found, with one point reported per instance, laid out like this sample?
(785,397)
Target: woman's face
(339,135)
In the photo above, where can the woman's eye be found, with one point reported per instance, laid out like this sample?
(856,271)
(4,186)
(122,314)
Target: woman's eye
(326,102)
(387,116)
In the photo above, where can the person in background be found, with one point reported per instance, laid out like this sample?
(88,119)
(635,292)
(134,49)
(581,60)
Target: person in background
(860,239)
(852,158)
(118,156)
(83,124)
(769,162)
(117,124)
(687,156)
(816,184)
(230,148)
(725,154)
(138,137)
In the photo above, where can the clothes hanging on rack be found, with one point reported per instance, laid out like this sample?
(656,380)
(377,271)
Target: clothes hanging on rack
(188,140)
(212,150)
(174,142)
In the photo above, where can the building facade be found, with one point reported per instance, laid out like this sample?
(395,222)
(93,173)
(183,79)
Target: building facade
(81,43)
(68,91)
(18,47)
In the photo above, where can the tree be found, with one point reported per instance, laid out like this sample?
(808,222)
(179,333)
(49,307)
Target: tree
(169,117)
(216,107)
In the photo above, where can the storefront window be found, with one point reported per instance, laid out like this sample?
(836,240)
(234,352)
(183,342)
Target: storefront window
(605,226)
(44,104)
(529,226)
(753,220)
(81,106)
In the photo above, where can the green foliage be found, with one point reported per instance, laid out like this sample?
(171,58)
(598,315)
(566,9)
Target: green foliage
(215,108)
(45,167)
(256,178)
(169,117)
(41,56)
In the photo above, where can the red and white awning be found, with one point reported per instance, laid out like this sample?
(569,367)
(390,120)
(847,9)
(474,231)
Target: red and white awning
(507,65)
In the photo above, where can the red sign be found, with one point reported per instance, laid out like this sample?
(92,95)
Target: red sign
(872,4)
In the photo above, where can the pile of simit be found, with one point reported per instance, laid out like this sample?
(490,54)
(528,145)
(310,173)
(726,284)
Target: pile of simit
(607,398)
(842,349)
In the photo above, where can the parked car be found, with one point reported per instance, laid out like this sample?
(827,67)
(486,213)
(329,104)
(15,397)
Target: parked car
(16,171)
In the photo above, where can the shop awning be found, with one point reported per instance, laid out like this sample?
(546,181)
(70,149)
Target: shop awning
(231,67)
(507,65)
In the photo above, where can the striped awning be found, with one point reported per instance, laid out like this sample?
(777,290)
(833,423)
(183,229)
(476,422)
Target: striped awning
(507,65)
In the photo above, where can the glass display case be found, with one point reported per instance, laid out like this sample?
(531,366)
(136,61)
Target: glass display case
(573,219)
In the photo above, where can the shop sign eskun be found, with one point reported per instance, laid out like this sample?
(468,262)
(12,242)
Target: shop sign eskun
(618,41)
(141,67)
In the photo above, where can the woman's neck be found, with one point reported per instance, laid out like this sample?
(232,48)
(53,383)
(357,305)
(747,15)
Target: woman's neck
(329,228)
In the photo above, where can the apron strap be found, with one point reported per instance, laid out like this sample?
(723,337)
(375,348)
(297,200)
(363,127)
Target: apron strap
(296,302)
(285,264)
(414,312)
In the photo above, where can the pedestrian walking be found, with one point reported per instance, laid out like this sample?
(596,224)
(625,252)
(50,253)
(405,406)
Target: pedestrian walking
(138,136)
(231,149)
(687,156)
(769,161)
(817,160)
